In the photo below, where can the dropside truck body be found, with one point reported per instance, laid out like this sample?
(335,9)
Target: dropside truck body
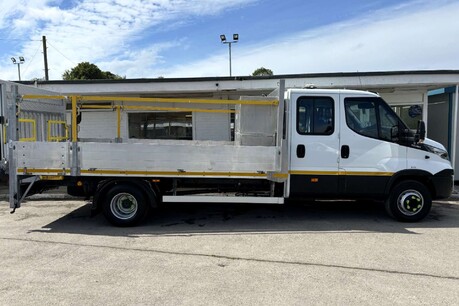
(301,143)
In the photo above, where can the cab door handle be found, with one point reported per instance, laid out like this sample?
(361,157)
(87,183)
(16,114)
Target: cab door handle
(300,151)
(345,151)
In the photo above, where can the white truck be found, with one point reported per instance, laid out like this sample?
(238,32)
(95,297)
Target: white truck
(296,143)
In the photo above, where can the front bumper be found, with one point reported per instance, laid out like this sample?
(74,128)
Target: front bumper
(443,184)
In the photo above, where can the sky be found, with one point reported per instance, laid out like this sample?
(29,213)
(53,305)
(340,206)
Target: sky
(181,38)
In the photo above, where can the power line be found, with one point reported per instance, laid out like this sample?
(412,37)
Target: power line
(73,63)
(30,62)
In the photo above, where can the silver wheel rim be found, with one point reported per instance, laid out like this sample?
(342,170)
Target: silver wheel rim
(410,202)
(124,206)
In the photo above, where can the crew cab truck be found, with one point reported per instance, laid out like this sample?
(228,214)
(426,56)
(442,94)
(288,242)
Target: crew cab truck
(293,144)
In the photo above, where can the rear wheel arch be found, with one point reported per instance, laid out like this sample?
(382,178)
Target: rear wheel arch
(150,191)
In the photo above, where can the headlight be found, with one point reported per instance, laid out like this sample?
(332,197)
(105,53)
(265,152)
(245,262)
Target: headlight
(442,153)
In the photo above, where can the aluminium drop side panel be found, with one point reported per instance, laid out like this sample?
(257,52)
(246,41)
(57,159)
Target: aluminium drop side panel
(183,157)
(46,156)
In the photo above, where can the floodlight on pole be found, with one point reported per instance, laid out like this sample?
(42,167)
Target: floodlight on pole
(224,41)
(19,63)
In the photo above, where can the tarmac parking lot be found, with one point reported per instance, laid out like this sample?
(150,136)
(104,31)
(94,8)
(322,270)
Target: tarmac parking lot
(53,252)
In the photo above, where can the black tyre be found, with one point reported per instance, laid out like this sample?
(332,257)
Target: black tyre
(409,201)
(125,205)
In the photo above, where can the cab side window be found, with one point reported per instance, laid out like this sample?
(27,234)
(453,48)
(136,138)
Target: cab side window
(315,116)
(361,117)
(370,117)
(388,121)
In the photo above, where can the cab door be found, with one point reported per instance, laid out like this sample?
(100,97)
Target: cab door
(314,145)
(370,153)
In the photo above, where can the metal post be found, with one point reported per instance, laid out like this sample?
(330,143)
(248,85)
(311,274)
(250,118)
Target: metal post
(13,135)
(74,171)
(118,125)
(229,46)
(225,41)
(18,62)
(74,119)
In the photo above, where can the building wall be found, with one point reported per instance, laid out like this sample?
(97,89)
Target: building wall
(455,133)
(401,101)
(211,126)
(439,119)
(103,125)
(442,124)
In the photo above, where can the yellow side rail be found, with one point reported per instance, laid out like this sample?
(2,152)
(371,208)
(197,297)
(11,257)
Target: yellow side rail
(76,105)
(154,100)
(34,129)
(179,100)
(57,138)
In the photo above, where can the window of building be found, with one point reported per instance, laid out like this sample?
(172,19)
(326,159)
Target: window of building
(168,125)
(410,114)
(315,116)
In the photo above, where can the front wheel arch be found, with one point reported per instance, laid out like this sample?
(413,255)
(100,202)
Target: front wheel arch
(420,176)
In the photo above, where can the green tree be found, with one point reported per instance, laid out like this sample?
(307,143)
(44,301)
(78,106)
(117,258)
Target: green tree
(262,71)
(89,71)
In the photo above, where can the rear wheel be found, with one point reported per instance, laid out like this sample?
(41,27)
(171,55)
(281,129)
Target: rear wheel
(409,201)
(125,205)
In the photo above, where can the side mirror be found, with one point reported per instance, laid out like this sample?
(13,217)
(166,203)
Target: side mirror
(421,131)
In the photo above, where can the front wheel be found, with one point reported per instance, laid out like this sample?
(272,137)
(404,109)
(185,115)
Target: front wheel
(409,201)
(125,205)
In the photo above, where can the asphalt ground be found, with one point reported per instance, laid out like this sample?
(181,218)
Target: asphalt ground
(53,252)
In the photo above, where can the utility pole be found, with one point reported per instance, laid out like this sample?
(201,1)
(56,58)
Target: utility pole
(45,56)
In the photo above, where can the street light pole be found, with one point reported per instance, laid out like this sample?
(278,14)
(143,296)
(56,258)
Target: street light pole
(19,72)
(229,48)
(224,41)
(19,63)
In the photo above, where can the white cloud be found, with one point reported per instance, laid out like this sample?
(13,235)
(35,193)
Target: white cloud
(94,30)
(417,35)
(136,62)
(411,37)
